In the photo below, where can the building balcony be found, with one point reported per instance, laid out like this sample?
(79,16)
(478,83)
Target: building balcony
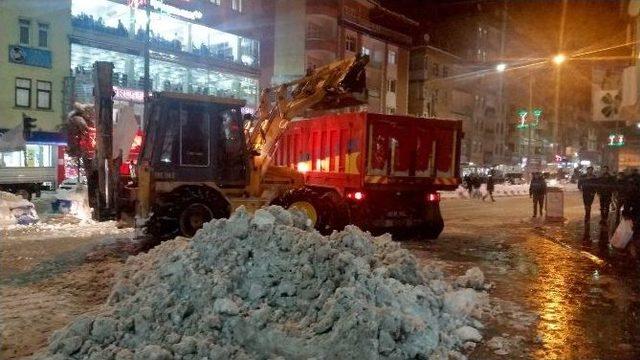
(321,43)
(373,29)
(158,51)
(322,7)
(90,33)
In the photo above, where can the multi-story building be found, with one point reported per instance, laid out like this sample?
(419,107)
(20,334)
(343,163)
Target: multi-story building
(34,61)
(457,68)
(336,29)
(203,47)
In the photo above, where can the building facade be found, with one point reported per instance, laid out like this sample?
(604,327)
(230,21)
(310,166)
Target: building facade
(34,61)
(453,75)
(336,29)
(188,51)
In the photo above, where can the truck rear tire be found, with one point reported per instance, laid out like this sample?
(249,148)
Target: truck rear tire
(322,208)
(434,224)
(24,193)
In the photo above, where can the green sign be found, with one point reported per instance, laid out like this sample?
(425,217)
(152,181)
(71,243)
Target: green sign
(616,140)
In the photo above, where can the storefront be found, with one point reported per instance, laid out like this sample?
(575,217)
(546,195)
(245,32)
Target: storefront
(185,55)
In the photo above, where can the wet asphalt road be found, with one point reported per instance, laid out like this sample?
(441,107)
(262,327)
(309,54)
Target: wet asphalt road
(559,291)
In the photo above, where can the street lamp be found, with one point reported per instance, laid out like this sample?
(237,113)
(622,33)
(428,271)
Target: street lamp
(501,67)
(559,59)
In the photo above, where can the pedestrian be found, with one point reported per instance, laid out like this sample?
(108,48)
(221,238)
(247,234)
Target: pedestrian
(631,211)
(606,185)
(477,182)
(587,184)
(537,191)
(468,184)
(490,187)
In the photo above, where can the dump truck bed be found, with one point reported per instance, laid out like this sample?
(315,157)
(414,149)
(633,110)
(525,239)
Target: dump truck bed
(367,150)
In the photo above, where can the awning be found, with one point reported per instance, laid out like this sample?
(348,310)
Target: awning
(44,137)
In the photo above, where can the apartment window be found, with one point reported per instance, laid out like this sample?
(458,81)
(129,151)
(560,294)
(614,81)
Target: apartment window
(23,92)
(215,2)
(391,110)
(43,95)
(436,69)
(350,43)
(426,63)
(392,57)
(24,31)
(445,71)
(392,86)
(366,51)
(43,35)
(236,5)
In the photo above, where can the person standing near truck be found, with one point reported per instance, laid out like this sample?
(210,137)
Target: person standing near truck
(587,184)
(537,191)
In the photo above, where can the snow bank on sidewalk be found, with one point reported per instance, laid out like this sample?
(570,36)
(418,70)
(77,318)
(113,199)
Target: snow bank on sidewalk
(266,286)
(77,200)
(16,210)
(503,190)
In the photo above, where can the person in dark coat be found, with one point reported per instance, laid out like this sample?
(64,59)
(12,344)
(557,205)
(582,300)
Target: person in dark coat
(631,210)
(605,188)
(490,188)
(537,191)
(587,184)
(468,184)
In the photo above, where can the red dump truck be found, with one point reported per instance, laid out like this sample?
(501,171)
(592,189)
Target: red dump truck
(377,171)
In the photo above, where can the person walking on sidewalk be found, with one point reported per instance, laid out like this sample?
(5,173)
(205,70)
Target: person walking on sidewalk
(490,188)
(537,191)
(587,184)
(605,188)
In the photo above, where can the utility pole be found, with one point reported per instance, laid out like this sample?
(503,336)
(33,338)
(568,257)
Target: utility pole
(556,99)
(501,108)
(147,84)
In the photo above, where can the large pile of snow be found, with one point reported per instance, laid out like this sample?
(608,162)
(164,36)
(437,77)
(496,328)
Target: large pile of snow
(16,210)
(266,286)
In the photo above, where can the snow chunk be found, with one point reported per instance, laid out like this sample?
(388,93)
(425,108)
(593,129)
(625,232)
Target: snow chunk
(473,278)
(468,333)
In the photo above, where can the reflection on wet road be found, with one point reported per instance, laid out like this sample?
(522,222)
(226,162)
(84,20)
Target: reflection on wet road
(585,296)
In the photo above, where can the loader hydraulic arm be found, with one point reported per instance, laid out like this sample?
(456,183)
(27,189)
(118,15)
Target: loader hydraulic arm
(329,87)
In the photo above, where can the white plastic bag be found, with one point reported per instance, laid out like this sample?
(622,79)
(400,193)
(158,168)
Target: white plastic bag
(623,234)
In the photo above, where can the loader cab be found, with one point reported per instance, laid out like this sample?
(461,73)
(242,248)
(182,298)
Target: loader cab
(195,138)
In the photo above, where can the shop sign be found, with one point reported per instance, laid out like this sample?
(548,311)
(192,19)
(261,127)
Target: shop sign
(616,140)
(124,94)
(24,55)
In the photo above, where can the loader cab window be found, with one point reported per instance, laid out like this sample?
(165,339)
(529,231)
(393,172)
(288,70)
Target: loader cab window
(166,155)
(232,132)
(194,136)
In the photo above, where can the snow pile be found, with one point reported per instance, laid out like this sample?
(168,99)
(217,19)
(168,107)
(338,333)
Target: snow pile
(266,286)
(74,201)
(16,210)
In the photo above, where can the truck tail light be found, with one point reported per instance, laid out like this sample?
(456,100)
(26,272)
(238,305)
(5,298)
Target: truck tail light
(433,197)
(355,195)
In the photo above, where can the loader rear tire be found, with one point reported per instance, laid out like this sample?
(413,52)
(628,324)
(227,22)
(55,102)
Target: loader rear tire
(193,217)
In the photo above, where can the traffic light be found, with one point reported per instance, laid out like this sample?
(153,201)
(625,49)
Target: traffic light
(28,125)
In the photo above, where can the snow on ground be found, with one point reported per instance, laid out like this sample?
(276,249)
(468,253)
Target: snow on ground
(52,230)
(267,286)
(503,190)
(16,210)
